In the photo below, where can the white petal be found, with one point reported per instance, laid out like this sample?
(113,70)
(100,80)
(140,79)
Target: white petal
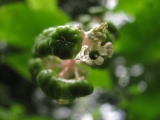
(108,45)
(84,58)
(110,52)
(109,48)
(78,57)
(82,53)
(102,51)
(89,61)
(99,60)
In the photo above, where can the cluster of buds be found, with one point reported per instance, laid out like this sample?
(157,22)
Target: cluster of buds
(57,51)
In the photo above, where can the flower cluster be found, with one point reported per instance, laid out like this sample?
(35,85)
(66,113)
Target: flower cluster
(57,53)
(92,50)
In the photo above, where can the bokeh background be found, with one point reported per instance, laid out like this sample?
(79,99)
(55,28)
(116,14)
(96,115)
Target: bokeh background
(126,88)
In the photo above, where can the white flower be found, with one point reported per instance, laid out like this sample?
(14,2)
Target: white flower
(92,56)
(92,51)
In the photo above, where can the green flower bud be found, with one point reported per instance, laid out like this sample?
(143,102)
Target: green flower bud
(65,42)
(35,66)
(47,83)
(81,88)
(64,91)
(63,94)
(43,48)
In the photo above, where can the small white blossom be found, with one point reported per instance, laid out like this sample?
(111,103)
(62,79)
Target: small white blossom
(92,51)
(106,50)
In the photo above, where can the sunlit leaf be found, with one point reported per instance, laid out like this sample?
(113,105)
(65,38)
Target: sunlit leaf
(43,5)
(19,24)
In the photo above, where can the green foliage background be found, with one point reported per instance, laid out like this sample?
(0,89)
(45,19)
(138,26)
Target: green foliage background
(139,43)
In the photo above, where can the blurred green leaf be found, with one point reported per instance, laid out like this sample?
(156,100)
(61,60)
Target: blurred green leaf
(144,106)
(36,117)
(100,78)
(43,5)
(140,41)
(17,112)
(20,24)
(133,89)
(129,6)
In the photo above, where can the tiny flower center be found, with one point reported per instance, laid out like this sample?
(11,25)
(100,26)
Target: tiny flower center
(94,54)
